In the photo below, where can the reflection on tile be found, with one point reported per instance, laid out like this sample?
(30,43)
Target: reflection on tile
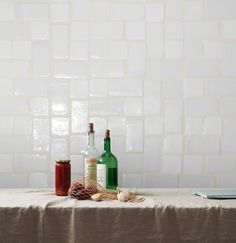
(60,126)
(39,106)
(79,116)
(41,128)
(59,106)
(60,90)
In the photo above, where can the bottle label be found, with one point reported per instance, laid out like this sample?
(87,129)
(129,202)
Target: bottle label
(101,175)
(91,169)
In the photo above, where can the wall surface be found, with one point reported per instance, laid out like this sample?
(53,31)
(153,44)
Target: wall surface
(161,74)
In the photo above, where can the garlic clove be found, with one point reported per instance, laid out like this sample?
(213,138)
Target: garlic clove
(123,196)
(97,197)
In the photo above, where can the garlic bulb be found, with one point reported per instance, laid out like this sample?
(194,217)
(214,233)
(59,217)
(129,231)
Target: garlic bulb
(123,196)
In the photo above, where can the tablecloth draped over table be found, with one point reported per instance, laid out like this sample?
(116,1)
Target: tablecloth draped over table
(167,215)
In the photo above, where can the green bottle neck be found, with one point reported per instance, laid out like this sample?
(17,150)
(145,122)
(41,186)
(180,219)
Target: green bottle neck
(107,145)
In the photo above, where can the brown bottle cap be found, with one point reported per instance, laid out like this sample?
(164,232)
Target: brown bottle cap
(107,134)
(90,128)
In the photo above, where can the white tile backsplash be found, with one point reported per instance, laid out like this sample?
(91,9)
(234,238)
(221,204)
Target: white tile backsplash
(106,30)
(39,30)
(153,154)
(6,163)
(200,144)
(159,73)
(172,164)
(218,9)
(134,136)
(39,106)
(7,10)
(197,181)
(163,181)
(193,9)
(127,11)
(155,12)
(193,164)
(38,180)
(174,9)
(30,163)
(229,59)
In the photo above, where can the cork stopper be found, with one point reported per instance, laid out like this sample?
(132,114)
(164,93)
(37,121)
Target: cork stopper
(107,134)
(90,128)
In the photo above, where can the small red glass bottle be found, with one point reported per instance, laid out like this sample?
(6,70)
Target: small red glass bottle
(63,177)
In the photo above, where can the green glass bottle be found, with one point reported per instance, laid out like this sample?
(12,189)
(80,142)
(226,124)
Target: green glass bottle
(107,166)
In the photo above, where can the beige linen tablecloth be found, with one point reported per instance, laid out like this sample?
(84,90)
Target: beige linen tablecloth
(167,215)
